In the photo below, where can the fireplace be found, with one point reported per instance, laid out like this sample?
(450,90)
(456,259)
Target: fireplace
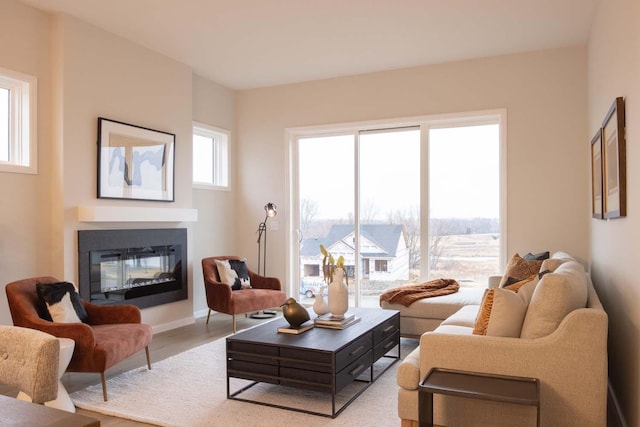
(144,267)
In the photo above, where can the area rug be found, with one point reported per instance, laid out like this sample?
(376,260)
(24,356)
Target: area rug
(190,389)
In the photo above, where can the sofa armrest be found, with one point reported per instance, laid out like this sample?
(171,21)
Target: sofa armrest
(571,363)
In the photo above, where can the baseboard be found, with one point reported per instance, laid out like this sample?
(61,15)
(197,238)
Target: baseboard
(173,325)
(615,418)
(200,313)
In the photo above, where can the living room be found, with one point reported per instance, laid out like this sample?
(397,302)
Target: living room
(555,100)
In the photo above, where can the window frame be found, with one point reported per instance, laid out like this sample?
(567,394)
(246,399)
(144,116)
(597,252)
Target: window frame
(221,156)
(425,123)
(23,123)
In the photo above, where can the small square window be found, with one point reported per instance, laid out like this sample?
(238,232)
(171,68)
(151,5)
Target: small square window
(210,157)
(18,123)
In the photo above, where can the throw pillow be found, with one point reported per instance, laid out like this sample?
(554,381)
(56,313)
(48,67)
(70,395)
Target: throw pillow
(555,296)
(502,310)
(63,302)
(519,269)
(234,273)
(540,256)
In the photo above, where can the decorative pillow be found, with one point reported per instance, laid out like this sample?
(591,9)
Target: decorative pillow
(234,273)
(519,269)
(555,296)
(501,314)
(540,256)
(63,302)
(502,310)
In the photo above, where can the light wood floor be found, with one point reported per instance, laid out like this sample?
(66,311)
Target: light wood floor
(164,344)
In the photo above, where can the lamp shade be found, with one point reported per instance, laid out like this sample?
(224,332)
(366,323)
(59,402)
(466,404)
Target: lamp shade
(270,209)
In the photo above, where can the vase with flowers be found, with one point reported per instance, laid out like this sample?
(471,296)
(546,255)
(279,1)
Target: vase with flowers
(338,290)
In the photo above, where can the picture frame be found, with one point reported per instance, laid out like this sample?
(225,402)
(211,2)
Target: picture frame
(135,162)
(614,184)
(597,201)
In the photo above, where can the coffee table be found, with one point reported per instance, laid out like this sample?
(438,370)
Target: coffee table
(324,360)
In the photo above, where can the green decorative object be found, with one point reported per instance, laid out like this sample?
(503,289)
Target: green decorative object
(295,313)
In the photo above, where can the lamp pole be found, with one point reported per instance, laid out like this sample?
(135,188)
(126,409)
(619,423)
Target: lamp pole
(270,210)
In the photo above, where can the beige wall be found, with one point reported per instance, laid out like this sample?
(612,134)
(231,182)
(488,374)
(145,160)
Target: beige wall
(215,232)
(25,210)
(545,97)
(614,70)
(84,73)
(104,75)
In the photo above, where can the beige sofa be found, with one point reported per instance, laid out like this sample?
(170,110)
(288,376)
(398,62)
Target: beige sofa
(562,342)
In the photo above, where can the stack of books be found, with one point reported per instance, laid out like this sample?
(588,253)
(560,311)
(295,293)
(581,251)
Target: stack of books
(295,330)
(332,322)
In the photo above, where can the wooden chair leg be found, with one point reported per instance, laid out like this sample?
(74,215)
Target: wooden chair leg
(103,379)
(234,323)
(146,349)
(208,314)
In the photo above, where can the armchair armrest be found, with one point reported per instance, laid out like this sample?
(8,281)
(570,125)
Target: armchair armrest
(112,314)
(261,282)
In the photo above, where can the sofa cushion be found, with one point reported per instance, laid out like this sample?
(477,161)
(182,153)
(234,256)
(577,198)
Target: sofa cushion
(454,330)
(555,296)
(519,268)
(234,273)
(466,316)
(550,265)
(439,307)
(503,310)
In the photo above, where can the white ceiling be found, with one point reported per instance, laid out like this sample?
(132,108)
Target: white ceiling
(253,43)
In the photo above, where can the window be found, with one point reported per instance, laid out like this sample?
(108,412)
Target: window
(381,265)
(18,106)
(210,157)
(409,200)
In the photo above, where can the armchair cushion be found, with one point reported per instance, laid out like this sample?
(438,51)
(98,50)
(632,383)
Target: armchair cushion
(234,273)
(62,302)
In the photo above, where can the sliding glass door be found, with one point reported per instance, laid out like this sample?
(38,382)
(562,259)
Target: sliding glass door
(402,205)
(389,214)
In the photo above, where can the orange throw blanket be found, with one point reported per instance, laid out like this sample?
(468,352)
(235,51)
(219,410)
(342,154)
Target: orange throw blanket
(407,295)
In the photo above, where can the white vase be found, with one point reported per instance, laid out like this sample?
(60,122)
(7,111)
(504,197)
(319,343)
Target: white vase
(320,306)
(338,294)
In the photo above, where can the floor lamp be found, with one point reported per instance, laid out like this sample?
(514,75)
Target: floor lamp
(270,210)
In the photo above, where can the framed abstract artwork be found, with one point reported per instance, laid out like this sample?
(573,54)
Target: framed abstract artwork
(596,176)
(614,183)
(135,162)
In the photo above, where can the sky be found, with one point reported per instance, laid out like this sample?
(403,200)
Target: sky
(463,173)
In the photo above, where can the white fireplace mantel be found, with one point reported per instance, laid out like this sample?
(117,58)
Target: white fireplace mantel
(135,214)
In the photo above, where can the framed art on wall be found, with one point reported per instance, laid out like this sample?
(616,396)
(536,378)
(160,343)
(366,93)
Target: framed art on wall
(596,176)
(614,184)
(135,162)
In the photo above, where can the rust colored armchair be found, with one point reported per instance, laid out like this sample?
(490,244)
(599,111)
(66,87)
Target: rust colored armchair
(114,332)
(265,292)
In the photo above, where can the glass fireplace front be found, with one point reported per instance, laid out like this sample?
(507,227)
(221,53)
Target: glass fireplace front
(142,267)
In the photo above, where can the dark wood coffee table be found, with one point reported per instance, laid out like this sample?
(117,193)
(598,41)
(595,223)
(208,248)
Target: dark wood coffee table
(320,359)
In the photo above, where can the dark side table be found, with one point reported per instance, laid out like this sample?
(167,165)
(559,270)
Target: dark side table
(498,388)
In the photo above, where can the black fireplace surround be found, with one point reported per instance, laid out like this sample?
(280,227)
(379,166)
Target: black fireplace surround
(144,267)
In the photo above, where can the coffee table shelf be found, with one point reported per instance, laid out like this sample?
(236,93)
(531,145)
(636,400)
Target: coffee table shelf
(322,360)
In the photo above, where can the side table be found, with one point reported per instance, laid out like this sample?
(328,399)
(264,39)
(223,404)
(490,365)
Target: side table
(498,388)
(63,401)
